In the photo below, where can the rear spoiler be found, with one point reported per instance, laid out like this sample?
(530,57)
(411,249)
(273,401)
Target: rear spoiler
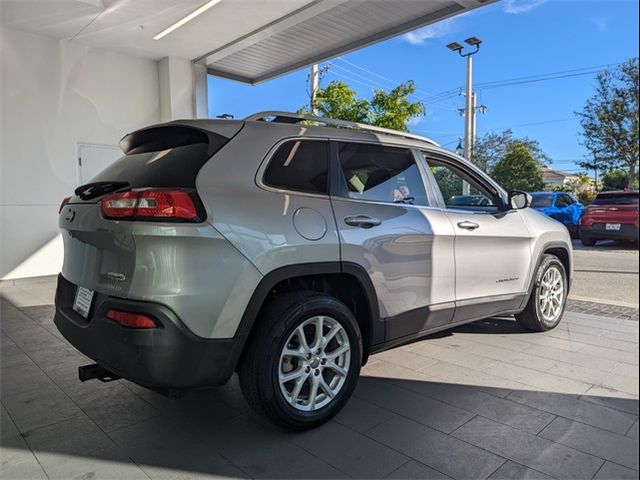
(178,134)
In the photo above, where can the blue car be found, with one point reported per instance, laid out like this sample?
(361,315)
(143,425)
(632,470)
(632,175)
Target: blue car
(561,206)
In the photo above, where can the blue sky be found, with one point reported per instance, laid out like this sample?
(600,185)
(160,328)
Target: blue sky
(521,38)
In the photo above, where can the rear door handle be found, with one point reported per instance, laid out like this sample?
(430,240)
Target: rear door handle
(467,225)
(362,221)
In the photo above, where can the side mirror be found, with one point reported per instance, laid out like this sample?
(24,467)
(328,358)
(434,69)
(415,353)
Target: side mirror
(519,200)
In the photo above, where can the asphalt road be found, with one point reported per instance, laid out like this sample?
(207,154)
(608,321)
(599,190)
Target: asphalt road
(606,273)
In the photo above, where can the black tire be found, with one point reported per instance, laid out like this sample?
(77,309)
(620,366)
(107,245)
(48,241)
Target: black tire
(531,317)
(586,240)
(260,364)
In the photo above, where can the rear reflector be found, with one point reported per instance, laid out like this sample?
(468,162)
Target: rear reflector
(131,320)
(149,204)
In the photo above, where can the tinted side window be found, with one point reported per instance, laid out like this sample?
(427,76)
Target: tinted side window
(299,165)
(459,191)
(381,174)
(564,201)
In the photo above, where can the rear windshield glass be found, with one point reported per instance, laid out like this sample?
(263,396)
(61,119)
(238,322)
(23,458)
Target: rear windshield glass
(174,167)
(630,198)
(163,157)
(541,200)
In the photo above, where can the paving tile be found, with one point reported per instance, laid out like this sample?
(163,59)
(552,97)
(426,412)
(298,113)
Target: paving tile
(610,380)
(360,416)
(22,378)
(572,358)
(442,452)
(518,358)
(405,358)
(627,370)
(615,400)
(511,413)
(78,456)
(18,462)
(59,356)
(611,354)
(114,407)
(611,471)
(576,409)
(114,472)
(633,431)
(534,452)
(539,380)
(403,378)
(425,410)
(413,470)
(512,470)
(448,373)
(43,437)
(350,452)
(39,408)
(161,447)
(11,355)
(597,442)
(261,450)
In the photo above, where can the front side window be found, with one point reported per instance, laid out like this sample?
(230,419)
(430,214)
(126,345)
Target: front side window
(541,200)
(299,165)
(564,200)
(381,174)
(459,191)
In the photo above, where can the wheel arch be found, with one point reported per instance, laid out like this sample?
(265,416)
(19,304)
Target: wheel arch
(563,252)
(347,281)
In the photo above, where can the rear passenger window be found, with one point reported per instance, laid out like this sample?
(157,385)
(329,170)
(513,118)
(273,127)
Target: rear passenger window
(382,174)
(299,165)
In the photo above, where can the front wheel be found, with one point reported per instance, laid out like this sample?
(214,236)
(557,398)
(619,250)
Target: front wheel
(303,360)
(548,298)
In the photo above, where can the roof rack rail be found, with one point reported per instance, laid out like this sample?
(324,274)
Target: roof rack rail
(289,117)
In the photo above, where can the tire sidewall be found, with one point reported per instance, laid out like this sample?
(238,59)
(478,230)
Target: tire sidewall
(548,262)
(297,314)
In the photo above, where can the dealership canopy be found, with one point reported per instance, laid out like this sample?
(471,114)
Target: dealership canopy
(246,40)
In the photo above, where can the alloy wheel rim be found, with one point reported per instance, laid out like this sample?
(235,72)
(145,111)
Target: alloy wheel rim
(314,363)
(551,295)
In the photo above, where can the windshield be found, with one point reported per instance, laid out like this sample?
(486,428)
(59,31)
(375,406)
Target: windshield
(623,198)
(541,200)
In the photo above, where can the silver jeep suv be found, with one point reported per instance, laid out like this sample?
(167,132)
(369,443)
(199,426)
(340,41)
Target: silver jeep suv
(288,249)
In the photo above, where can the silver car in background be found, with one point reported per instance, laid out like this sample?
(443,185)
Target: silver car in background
(288,249)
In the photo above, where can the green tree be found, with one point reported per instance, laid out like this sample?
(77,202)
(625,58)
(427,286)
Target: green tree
(391,109)
(615,180)
(518,170)
(491,147)
(609,121)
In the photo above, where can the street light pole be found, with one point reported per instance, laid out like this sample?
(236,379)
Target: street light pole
(470,112)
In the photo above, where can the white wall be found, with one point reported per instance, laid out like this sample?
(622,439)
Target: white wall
(54,95)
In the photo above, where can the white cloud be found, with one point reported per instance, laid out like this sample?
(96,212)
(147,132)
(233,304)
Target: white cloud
(415,121)
(437,30)
(516,7)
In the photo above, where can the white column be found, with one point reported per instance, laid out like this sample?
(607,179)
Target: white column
(183,89)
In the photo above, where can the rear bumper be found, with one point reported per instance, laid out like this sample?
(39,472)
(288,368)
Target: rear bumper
(169,356)
(598,231)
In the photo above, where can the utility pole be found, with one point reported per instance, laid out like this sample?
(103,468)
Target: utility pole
(470,113)
(314,81)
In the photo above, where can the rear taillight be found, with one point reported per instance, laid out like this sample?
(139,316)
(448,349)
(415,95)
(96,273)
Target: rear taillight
(149,204)
(64,202)
(131,320)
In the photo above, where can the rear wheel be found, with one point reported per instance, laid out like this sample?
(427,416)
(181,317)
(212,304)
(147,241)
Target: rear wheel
(548,298)
(303,360)
(586,240)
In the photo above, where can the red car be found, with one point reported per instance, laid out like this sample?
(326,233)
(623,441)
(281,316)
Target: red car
(611,216)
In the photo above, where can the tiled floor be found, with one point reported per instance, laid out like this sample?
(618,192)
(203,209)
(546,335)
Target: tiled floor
(483,401)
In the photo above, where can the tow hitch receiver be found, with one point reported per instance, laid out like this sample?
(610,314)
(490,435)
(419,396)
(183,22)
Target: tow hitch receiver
(88,372)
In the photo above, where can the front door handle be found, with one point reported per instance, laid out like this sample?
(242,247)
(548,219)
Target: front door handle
(467,225)
(362,221)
